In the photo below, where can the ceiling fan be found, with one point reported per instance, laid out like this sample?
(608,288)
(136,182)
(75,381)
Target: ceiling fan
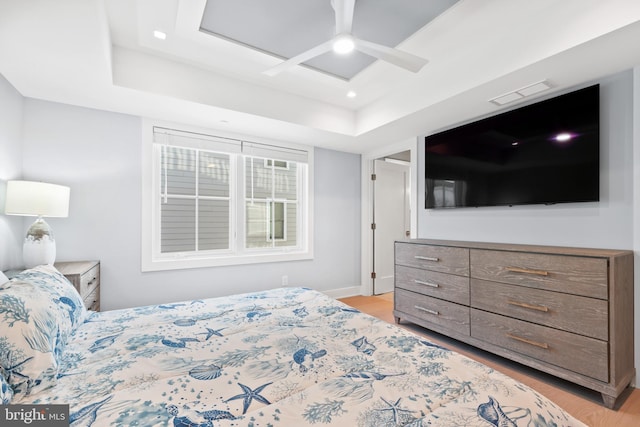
(344,42)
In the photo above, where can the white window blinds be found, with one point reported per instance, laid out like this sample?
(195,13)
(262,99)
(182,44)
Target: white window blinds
(166,136)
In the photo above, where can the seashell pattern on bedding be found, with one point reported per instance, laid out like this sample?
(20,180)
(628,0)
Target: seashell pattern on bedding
(286,357)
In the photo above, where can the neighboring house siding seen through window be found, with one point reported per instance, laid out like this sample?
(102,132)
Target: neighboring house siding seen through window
(221,201)
(194,200)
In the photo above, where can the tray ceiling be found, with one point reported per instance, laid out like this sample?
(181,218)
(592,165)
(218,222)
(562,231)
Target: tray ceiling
(102,54)
(286,28)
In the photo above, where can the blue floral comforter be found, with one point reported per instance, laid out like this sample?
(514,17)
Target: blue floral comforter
(287,357)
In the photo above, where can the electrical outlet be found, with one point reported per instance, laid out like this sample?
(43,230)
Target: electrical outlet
(285,281)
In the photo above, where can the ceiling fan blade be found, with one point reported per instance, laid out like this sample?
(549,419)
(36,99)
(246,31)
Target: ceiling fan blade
(394,56)
(344,15)
(299,59)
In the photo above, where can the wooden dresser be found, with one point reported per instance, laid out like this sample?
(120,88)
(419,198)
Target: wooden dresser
(85,276)
(565,311)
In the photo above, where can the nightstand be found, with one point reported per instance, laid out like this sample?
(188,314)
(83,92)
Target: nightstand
(85,276)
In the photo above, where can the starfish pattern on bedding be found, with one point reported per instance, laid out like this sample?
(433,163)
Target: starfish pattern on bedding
(394,408)
(211,332)
(248,395)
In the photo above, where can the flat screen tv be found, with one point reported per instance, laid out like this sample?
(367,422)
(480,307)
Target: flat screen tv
(544,153)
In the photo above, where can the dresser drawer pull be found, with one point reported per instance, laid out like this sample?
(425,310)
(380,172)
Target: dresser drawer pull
(527,271)
(426,310)
(530,342)
(427,258)
(529,306)
(433,285)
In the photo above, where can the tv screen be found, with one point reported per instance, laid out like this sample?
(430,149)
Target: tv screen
(543,153)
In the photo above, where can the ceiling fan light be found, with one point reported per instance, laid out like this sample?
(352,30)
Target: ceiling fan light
(343,45)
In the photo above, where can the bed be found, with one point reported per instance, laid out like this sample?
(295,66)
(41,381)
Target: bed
(284,357)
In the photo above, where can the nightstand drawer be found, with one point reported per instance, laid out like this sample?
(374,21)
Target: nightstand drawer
(586,356)
(440,285)
(90,280)
(570,274)
(92,301)
(434,258)
(445,314)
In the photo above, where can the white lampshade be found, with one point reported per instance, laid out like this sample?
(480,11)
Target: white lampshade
(28,198)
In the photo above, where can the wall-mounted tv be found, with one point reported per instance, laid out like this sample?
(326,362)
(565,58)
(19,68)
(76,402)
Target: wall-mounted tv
(544,153)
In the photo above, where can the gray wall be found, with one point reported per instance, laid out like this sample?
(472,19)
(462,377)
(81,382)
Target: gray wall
(607,224)
(98,154)
(11,230)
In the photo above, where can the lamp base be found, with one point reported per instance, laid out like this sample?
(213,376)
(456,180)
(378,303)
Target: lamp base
(39,245)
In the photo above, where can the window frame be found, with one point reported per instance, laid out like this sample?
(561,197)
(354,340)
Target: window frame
(151,260)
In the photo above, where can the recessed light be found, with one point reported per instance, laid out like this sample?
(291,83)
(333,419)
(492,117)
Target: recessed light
(351,94)
(159,34)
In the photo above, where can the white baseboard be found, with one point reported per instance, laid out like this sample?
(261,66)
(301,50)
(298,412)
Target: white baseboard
(343,292)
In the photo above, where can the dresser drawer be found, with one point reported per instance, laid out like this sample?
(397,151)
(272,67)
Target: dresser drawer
(434,258)
(440,285)
(586,356)
(445,314)
(569,274)
(572,313)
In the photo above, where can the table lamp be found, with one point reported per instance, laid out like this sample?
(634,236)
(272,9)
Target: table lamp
(29,198)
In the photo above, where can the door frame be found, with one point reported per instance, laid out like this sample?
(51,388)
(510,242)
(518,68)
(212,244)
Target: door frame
(367,168)
(389,170)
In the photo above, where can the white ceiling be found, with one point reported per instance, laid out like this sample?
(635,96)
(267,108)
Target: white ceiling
(102,54)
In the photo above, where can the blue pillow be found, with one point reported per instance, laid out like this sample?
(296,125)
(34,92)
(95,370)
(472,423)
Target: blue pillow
(39,310)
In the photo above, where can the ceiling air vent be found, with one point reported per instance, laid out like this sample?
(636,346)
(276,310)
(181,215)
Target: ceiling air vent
(521,93)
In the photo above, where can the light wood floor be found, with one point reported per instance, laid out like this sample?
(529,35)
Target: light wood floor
(583,404)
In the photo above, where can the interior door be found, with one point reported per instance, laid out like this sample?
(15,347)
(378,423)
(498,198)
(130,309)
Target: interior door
(391,215)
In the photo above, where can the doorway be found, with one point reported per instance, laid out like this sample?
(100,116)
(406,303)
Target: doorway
(391,215)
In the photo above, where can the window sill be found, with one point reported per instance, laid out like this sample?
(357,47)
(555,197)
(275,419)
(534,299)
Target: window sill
(178,263)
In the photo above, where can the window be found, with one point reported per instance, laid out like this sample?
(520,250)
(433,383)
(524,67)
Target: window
(211,200)
(272,203)
(194,200)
